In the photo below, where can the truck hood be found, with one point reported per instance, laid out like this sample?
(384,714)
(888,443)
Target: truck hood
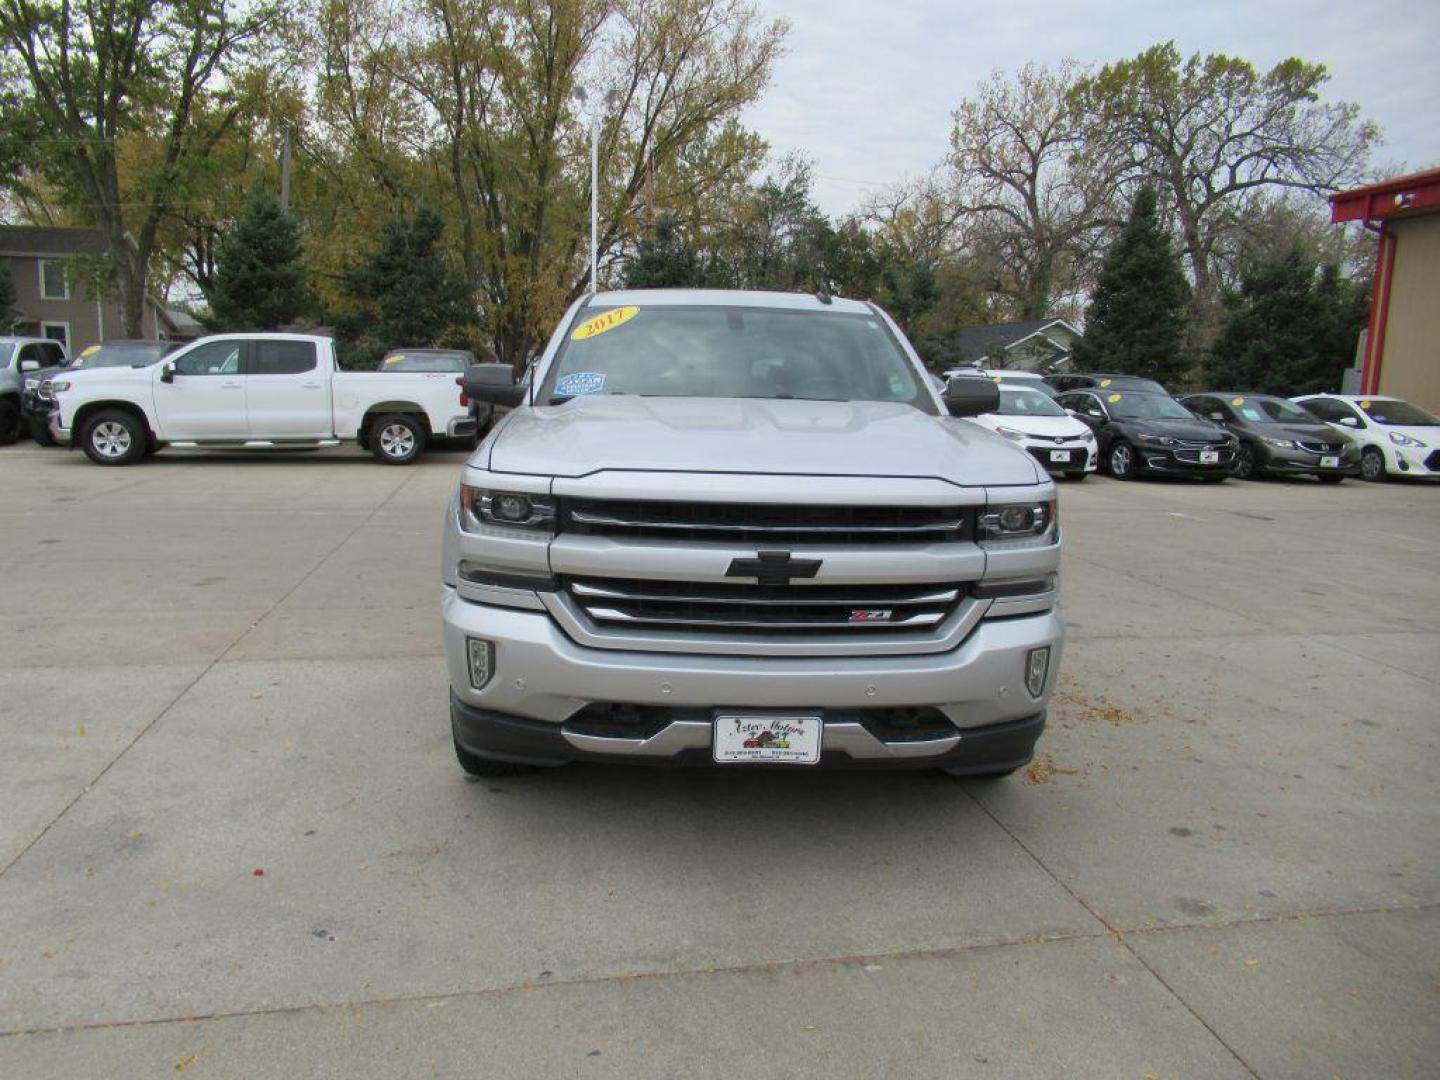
(741,435)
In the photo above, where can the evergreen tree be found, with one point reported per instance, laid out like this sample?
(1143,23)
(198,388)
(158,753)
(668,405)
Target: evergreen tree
(665,259)
(1135,324)
(7,298)
(1286,332)
(404,293)
(259,282)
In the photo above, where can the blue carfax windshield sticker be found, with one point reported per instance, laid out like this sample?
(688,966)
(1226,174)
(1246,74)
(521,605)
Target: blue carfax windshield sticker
(580,382)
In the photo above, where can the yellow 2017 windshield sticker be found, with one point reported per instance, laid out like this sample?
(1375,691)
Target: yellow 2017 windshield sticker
(1113,398)
(600,323)
(1106,382)
(394,359)
(91,351)
(1237,401)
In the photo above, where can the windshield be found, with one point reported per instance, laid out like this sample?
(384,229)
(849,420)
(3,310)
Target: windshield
(1127,382)
(733,352)
(1271,411)
(1038,385)
(1397,413)
(120,354)
(1137,406)
(1022,401)
(454,360)
(7,348)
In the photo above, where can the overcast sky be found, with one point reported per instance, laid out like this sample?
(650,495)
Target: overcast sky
(867,87)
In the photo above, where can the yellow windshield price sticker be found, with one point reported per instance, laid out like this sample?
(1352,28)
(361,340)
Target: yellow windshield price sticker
(1106,382)
(91,351)
(394,359)
(997,378)
(1237,401)
(1365,404)
(600,323)
(1113,397)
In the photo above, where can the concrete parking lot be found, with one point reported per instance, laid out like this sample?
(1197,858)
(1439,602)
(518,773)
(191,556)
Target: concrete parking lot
(234,841)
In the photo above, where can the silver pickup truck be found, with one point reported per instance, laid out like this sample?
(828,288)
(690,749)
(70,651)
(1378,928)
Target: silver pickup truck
(745,529)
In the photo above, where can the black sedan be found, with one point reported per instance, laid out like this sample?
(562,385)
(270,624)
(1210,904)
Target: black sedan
(1277,436)
(1142,432)
(35,399)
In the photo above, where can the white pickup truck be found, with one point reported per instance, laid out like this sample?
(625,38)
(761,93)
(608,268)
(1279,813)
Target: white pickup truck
(263,391)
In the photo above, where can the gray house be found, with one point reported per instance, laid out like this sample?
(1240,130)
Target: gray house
(54,299)
(1042,345)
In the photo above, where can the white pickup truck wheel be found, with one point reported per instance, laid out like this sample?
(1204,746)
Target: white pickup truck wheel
(114,437)
(396,439)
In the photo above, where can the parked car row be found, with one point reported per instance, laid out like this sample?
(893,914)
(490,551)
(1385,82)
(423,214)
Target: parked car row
(1132,426)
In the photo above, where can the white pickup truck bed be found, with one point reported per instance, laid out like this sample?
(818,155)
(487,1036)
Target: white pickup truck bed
(255,390)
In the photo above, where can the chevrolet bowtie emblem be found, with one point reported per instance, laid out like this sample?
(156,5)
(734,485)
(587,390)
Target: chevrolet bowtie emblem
(774,567)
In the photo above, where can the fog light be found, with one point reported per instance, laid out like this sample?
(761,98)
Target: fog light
(482,661)
(1037,665)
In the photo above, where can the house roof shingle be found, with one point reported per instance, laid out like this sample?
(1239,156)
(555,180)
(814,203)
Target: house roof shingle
(976,342)
(44,240)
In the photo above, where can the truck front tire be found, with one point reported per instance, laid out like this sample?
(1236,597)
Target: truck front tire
(114,437)
(396,439)
(40,432)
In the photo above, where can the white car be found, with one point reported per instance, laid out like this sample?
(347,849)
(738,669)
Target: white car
(262,391)
(1004,375)
(1031,419)
(1396,438)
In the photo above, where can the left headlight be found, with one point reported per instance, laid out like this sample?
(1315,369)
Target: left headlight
(515,509)
(1012,434)
(31,382)
(1156,440)
(1019,524)
(1406,440)
(1283,444)
(57,385)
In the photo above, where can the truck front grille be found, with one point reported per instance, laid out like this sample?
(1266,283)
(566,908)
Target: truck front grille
(796,608)
(767,522)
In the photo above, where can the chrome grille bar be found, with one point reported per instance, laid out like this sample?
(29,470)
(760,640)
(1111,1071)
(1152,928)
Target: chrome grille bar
(812,596)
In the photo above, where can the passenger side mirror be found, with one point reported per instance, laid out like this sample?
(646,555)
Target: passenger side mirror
(1218,417)
(1072,412)
(494,383)
(969,396)
(167,373)
(1350,421)
(29,365)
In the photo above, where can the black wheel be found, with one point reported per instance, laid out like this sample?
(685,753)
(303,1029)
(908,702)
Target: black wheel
(1245,462)
(1372,464)
(1329,478)
(114,437)
(1076,476)
(479,766)
(9,422)
(396,439)
(1122,461)
(40,432)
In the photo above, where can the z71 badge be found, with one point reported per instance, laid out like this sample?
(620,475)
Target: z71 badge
(870,615)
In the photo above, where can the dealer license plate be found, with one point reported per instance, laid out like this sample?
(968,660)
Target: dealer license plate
(1329,462)
(757,737)
(1209,457)
(1059,455)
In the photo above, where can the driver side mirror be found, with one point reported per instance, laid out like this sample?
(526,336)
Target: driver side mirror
(1071,412)
(1350,421)
(1218,417)
(29,365)
(969,396)
(494,383)
(167,373)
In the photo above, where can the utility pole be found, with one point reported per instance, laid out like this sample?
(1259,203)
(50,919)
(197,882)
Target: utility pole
(285,173)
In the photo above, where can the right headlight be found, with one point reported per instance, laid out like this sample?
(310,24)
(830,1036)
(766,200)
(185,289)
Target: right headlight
(1027,524)
(480,507)
(31,382)
(1011,434)
(58,385)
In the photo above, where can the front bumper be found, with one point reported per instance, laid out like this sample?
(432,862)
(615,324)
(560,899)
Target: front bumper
(1183,461)
(1413,461)
(32,405)
(845,744)
(1083,456)
(541,679)
(1280,460)
(60,434)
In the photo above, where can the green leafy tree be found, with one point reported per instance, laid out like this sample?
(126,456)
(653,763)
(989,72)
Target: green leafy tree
(1287,330)
(406,292)
(259,281)
(1136,320)
(124,99)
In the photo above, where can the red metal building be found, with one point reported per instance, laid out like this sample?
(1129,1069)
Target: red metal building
(1402,348)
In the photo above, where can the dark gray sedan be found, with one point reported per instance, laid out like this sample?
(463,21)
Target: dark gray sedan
(1277,436)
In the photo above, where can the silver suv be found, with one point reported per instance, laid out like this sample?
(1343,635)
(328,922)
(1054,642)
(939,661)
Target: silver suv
(741,528)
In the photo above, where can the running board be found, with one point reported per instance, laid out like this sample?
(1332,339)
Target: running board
(252,444)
